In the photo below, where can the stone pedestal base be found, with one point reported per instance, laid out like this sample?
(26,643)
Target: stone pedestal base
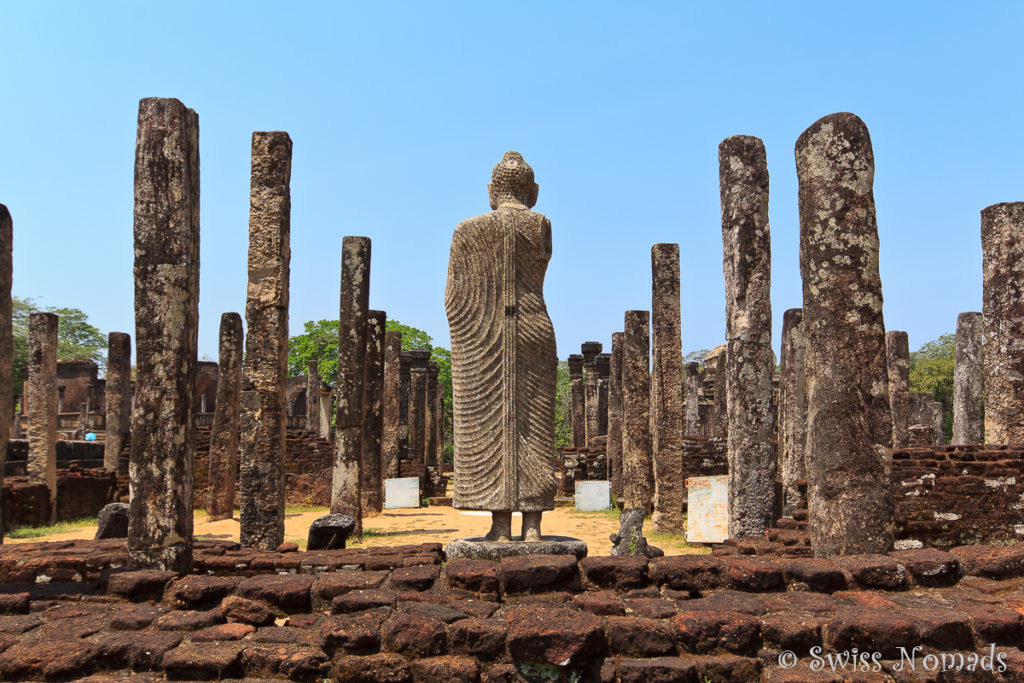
(481,549)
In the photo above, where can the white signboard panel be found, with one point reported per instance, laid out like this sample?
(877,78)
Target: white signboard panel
(707,505)
(593,495)
(402,493)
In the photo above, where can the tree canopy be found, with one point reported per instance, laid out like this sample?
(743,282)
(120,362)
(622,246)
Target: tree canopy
(76,338)
(931,371)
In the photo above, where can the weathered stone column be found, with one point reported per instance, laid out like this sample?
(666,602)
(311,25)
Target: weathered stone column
(721,403)
(404,392)
(897,355)
(691,400)
(792,408)
(223,479)
(264,401)
(604,364)
(390,405)
(60,398)
(119,400)
(590,351)
(370,483)
(577,405)
(1002,249)
(166,333)
(936,421)
(637,468)
(614,448)
(352,314)
(313,398)
(439,428)
(430,417)
(42,403)
(750,365)
(849,420)
(6,344)
(667,389)
(418,405)
(967,374)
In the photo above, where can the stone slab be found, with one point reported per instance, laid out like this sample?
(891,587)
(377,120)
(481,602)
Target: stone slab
(478,548)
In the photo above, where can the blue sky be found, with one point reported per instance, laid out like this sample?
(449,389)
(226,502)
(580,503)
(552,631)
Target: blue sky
(398,112)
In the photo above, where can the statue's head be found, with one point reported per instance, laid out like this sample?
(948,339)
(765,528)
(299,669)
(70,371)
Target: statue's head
(512,179)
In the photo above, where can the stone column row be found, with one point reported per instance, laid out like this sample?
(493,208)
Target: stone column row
(666,411)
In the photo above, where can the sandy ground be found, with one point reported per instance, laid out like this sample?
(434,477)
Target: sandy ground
(429,524)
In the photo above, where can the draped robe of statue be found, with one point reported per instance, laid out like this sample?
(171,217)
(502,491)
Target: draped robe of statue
(503,361)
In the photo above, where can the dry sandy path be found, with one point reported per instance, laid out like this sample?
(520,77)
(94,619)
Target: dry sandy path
(423,525)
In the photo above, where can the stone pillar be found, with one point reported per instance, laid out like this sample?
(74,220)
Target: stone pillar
(577,407)
(60,398)
(6,344)
(119,373)
(352,313)
(370,482)
(418,405)
(667,389)
(439,428)
(390,405)
(936,421)
(223,479)
(42,404)
(637,468)
(166,333)
(1002,248)
(604,362)
(691,400)
(404,391)
(849,420)
(792,408)
(590,351)
(721,403)
(326,410)
(430,417)
(750,364)
(614,448)
(897,356)
(967,374)
(313,398)
(263,400)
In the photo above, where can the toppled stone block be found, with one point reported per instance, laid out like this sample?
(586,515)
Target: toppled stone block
(140,585)
(112,521)
(246,611)
(330,532)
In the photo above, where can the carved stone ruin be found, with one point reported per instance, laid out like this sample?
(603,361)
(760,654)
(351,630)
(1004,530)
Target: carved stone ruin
(390,405)
(691,399)
(590,351)
(224,433)
(967,378)
(503,409)
(6,341)
(352,314)
(313,398)
(897,354)
(614,443)
(637,467)
(370,482)
(577,402)
(263,400)
(418,405)
(849,424)
(792,408)
(166,333)
(666,389)
(119,400)
(1002,247)
(750,365)
(42,404)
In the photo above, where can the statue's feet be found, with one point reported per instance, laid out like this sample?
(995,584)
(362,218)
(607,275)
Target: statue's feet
(531,526)
(501,527)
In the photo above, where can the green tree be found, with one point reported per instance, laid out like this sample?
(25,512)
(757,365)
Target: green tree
(931,370)
(563,414)
(76,338)
(696,356)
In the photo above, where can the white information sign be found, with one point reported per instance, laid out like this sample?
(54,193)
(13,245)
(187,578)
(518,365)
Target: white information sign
(707,505)
(402,493)
(593,495)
